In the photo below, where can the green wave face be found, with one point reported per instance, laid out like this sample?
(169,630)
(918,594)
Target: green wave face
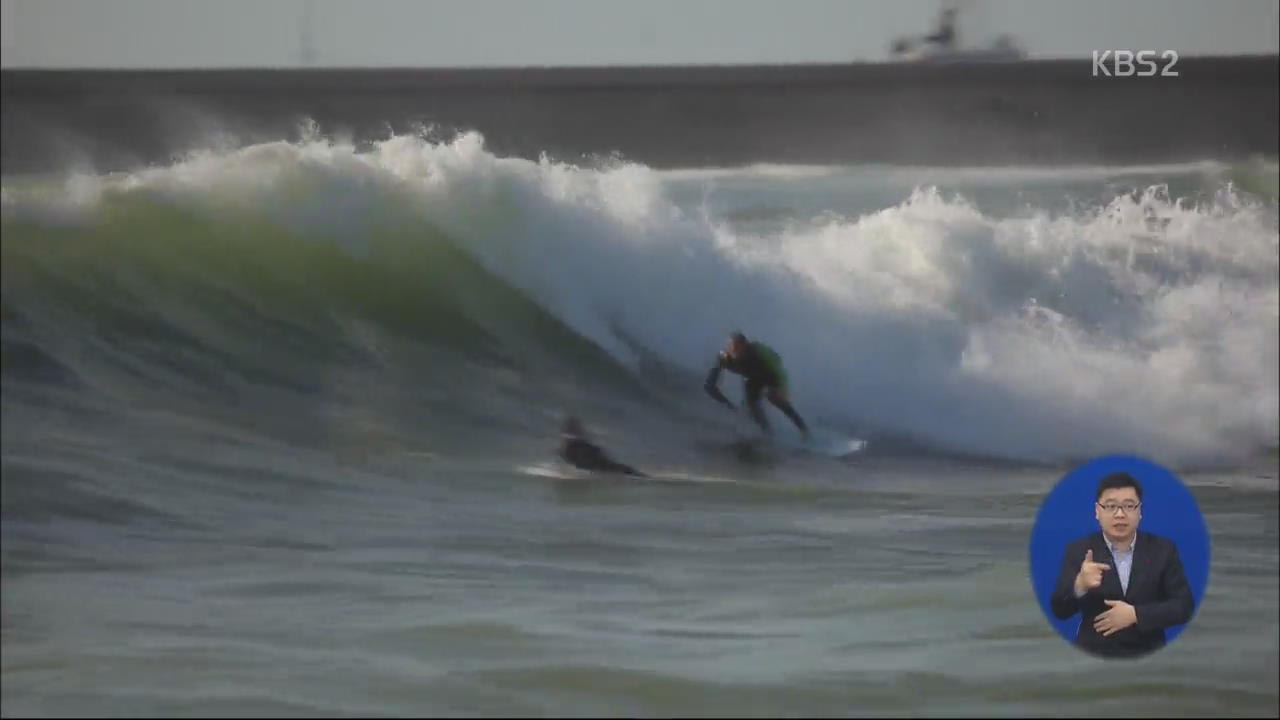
(152,287)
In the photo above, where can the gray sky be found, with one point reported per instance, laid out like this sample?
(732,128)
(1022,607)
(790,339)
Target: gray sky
(451,33)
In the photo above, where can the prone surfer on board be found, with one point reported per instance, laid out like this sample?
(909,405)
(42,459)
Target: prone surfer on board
(578,451)
(762,371)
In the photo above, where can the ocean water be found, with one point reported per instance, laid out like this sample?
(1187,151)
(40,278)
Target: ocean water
(278,422)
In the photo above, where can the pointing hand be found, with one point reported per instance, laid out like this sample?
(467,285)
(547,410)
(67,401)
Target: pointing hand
(1090,575)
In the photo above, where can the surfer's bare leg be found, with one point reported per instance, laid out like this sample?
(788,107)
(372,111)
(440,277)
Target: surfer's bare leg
(778,397)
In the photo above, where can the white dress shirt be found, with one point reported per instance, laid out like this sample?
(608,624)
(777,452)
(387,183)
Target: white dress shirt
(1124,560)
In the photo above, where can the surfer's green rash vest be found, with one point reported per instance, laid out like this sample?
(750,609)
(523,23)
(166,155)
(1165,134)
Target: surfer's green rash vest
(759,364)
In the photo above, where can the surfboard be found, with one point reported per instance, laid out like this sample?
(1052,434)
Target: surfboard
(820,442)
(559,471)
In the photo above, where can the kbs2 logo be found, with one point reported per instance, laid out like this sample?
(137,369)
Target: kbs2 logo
(1122,63)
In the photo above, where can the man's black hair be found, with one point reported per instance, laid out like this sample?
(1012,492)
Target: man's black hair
(1118,480)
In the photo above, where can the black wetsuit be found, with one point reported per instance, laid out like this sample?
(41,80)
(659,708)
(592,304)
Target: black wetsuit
(582,454)
(760,368)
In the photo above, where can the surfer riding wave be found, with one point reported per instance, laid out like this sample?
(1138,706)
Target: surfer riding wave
(762,372)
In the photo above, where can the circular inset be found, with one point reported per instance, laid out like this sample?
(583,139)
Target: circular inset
(1119,557)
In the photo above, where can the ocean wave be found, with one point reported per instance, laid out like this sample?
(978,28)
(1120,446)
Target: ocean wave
(1144,324)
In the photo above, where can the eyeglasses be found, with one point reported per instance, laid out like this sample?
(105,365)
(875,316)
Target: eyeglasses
(1129,508)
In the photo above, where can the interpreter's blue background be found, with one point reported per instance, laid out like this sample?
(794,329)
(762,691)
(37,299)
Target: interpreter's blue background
(1168,510)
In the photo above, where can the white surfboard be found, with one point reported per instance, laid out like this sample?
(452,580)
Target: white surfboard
(820,442)
(559,471)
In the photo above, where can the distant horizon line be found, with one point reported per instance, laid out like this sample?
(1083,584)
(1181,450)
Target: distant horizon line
(619,66)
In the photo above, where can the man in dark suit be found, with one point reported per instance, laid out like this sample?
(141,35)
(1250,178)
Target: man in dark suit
(1128,586)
